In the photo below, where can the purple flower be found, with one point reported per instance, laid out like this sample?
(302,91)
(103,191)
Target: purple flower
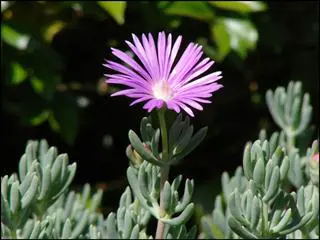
(159,79)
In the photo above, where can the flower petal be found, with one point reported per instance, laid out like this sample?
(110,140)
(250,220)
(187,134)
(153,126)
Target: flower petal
(142,99)
(127,59)
(185,108)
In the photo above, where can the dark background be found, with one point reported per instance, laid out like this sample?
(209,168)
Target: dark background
(68,64)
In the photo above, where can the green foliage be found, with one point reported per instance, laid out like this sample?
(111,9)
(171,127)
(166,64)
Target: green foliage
(181,138)
(19,74)
(216,225)
(238,34)
(234,34)
(14,38)
(129,222)
(43,177)
(196,10)
(181,141)
(41,206)
(260,203)
(145,184)
(115,9)
(240,6)
(290,109)
(180,232)
(36,203)
(257,202)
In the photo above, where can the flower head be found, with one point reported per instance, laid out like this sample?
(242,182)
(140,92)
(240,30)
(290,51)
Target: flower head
(159,78)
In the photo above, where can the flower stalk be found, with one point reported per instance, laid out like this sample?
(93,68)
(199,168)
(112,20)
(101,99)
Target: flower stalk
(164,170)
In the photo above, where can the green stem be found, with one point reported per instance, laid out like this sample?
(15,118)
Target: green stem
(164,135)
(164,170)
(291,142)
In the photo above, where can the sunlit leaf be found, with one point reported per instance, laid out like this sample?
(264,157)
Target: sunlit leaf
(53,123)
(163,4)
(14,38)
(197,10)
(240,6)
(18,73)
(115,9)
(5,5)
(38,85)
(64,117)
(39,119)
(53,29)
(221,37)
(242,36)
(45,86)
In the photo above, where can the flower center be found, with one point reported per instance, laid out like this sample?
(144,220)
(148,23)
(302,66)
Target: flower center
(162,90)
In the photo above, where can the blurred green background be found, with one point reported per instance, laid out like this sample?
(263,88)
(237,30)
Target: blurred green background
(52,83)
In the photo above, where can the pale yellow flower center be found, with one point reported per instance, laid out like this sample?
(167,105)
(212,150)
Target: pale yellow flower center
(162,90)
